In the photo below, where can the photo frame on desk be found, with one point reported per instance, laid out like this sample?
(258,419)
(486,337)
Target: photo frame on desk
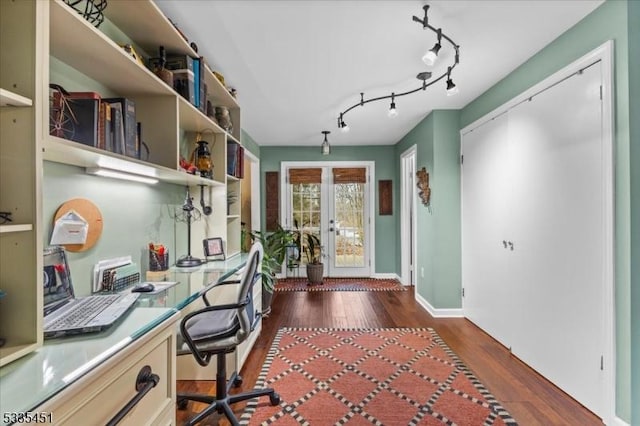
(214,248)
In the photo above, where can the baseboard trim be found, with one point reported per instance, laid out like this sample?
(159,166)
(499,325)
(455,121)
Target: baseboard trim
(617,421)
(439,313)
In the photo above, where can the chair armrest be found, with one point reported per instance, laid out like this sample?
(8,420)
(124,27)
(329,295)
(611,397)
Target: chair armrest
(206,290)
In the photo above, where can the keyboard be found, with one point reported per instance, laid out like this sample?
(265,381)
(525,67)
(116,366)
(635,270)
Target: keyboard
(84,311)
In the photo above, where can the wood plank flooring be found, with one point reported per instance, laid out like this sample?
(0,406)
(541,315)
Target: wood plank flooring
(530,398)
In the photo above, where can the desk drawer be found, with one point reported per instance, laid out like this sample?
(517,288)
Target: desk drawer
(102,393)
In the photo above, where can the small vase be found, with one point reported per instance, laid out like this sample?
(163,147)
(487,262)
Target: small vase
(224,118)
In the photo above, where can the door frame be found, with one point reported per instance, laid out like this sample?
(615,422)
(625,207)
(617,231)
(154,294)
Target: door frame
(408,221)
(255,190)
(370,227)
(603,53)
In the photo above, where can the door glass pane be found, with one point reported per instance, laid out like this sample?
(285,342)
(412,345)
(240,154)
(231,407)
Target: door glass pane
(306,205)
(349,221)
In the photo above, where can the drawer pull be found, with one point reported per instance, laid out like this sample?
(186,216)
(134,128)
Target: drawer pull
(145,381)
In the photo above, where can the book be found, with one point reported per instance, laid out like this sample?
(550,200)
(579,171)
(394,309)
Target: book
(179,62)
(202,88)
(232,158)
(196,82)
(183,83)
(129,125)
(117,129)
(105,127)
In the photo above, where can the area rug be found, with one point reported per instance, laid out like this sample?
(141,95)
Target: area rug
(386,376)
(340,284)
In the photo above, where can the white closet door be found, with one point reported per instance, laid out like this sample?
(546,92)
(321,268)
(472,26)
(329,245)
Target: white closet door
(558,235)
(485,197)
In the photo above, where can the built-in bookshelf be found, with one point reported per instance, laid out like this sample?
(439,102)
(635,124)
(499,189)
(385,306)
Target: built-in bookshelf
(43,42)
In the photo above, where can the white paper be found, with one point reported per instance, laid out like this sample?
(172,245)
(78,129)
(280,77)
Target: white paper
(71,228)
(102,265)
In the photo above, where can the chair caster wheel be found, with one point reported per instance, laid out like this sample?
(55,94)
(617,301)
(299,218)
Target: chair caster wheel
(182,404)
(274,399)
(237,382)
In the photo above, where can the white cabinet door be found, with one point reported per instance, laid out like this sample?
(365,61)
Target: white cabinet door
(557,207)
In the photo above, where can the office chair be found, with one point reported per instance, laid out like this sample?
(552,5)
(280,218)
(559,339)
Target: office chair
(218,330)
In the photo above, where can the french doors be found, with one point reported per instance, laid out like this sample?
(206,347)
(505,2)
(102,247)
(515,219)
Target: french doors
(332,202)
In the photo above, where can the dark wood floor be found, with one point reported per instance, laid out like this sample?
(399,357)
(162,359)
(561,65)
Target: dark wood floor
(529,398)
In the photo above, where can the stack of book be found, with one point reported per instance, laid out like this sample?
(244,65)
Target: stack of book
(188,79)
(104,123)
(235,159)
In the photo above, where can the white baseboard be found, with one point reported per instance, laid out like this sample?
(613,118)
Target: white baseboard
(617,421)
(439,313)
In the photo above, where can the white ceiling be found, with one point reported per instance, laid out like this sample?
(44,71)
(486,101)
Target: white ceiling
(297,64)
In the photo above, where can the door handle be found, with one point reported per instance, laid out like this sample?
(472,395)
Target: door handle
(511,245)
(331,229)
(504,243)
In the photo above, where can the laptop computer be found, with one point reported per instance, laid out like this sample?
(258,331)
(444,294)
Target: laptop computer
(66,315)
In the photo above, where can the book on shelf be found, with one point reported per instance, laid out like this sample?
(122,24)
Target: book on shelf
(202,87)
(131,147)
(235,160)
(105,127)
(117,129)
(196,82)
(179,62)
(184,84)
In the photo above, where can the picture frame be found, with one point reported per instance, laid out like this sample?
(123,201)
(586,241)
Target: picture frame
(213,247)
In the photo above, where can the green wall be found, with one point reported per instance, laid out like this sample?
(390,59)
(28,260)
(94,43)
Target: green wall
(608,22)
(249,143)
(634,137)
(438,269)
(124,206)
(385,168)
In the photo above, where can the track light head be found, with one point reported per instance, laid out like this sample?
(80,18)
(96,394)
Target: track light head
(452,89)
(430,57)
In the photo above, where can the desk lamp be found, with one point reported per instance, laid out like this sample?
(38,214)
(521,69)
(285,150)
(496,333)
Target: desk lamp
(188,209)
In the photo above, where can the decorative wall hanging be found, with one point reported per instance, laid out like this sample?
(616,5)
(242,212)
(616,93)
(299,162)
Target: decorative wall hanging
(385,197)
(429,59)
(423,186)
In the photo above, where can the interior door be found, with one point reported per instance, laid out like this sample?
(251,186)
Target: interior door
(332,203)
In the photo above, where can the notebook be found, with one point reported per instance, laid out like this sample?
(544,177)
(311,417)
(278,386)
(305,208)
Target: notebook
(66,315)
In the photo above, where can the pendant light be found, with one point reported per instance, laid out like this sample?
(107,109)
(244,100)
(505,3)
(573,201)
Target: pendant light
(325,148)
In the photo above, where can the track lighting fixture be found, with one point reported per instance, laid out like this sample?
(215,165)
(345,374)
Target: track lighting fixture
(429,58)
(325,148)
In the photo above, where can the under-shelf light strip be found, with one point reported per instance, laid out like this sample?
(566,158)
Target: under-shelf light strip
(98,171)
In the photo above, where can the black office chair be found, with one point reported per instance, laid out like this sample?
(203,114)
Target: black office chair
(218,330)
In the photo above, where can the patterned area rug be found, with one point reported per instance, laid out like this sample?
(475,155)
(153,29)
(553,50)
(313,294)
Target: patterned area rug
(340,284)
(387,376)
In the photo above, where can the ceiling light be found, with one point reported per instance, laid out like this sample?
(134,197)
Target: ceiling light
(344,128)
(452,89)
(429,58)
(326,148)
(393,112)
(98,171)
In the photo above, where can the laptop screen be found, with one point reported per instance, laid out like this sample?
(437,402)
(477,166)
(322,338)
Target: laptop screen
(56,280)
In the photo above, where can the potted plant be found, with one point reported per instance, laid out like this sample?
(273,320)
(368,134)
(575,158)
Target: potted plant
(274,245)
(313,251)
